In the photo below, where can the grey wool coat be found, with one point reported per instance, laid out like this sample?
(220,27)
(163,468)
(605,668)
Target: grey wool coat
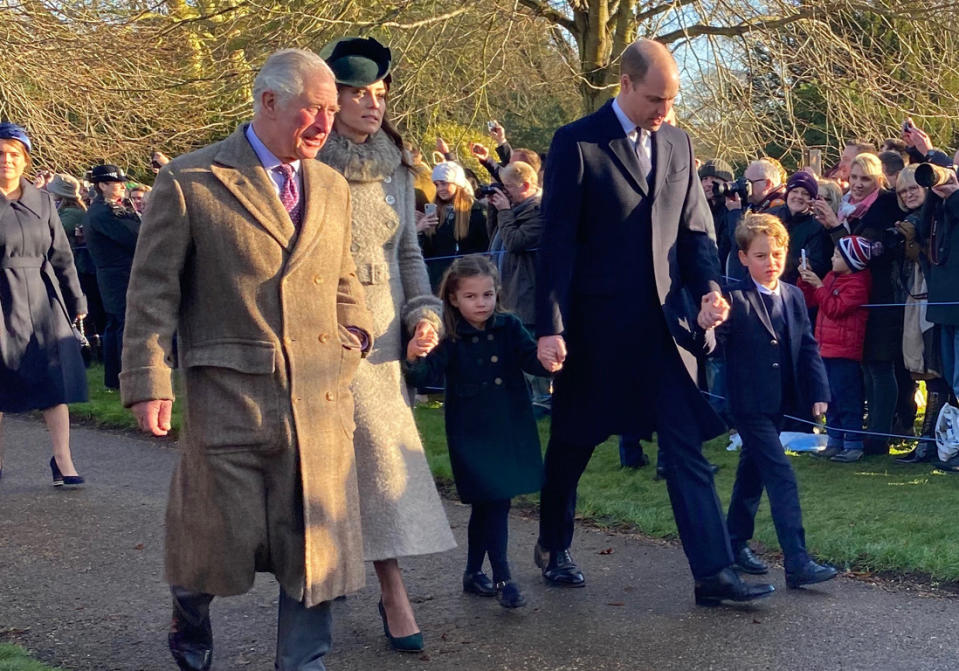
(402,513)
(267,478)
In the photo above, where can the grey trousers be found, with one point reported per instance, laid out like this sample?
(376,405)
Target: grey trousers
(303,635)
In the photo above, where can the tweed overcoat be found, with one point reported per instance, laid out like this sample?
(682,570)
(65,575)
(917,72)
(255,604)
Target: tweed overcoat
(401,509)
(266,479)
(40,362)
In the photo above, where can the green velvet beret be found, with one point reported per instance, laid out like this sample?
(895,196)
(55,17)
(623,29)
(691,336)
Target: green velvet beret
(357,61)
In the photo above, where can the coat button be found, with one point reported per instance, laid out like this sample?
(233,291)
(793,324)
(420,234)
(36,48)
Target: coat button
(775,365)
(773,342)
(354,247)
(330,396)
(489,337)
(317,279)
(475,338)
(390,200)
(498,380)
(388,179)
(323,337)
(494,358)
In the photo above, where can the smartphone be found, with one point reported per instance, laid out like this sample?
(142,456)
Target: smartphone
(802,260)
(491,125)
(815,161)
(907,126)
(429,208)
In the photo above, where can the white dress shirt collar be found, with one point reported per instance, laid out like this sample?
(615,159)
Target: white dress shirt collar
(766,290)
(631,130)
(269,161)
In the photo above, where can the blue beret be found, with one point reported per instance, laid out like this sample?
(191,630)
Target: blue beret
(11,131)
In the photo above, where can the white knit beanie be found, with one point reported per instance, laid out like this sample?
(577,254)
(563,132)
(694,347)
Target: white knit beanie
(452,172)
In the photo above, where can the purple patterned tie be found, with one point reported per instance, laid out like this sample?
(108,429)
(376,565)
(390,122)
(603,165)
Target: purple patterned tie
(289,194)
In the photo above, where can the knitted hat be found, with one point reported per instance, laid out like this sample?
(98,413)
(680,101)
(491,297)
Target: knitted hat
(64,186)
(856,251)
(11,131)
(718,168)
(452,172)
(805,180)
(358,61)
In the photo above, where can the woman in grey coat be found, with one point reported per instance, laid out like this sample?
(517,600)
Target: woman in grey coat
(401,511)
(40,363)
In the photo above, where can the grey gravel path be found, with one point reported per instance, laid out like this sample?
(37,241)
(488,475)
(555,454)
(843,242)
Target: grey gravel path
(81,587)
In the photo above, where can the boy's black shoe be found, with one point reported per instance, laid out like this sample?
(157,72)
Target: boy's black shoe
(479,584)
(747,562)
(827,453)
(509,595)
(810,574)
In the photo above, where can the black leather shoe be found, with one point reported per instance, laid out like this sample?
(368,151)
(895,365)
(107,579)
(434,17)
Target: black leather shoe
(191,645)
(558,567)
(747,562)
(728,586)
(923,452)
(479,584)
(509,595)
(810,574)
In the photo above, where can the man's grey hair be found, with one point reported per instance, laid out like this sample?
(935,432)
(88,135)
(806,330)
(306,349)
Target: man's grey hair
(284,73)
(766,170)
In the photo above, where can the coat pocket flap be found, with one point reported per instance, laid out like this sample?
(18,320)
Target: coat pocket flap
(257,357)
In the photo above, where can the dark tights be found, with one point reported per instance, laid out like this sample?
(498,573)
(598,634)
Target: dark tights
(488,535)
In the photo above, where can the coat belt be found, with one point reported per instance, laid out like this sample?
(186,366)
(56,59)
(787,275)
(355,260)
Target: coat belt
(22,262)
(372,273)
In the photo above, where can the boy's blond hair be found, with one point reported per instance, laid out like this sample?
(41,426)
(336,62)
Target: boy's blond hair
(754,225)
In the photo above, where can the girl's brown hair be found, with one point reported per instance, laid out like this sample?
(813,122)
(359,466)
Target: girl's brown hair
(474,265)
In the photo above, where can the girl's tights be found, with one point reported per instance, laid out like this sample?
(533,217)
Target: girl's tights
(488,535)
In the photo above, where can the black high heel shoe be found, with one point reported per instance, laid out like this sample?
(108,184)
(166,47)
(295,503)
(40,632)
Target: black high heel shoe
(59,480)
(411,643)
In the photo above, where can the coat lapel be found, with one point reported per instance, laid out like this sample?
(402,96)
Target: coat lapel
(315,191)
(622,148)
(662,152)
(236,165)
(752,295)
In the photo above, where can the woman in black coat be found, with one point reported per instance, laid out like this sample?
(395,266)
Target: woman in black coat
(111,235)
(40,363)
(871,210)
(805,233)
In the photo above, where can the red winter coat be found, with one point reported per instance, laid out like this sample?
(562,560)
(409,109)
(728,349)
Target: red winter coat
(841,321)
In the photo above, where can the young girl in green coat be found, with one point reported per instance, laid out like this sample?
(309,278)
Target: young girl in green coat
(492,436)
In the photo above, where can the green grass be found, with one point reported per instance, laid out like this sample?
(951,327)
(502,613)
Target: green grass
(15,658)
(872,516)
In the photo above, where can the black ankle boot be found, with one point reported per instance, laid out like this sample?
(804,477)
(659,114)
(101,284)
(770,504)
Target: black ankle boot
(926,449)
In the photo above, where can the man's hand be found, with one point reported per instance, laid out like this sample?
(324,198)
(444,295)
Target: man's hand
(498,200)
(551,352)
(915,137)
(713,311)
(479,151)
(734,202)
(498,133)
(819,408)
(950,187)
(153,416)
(442,147)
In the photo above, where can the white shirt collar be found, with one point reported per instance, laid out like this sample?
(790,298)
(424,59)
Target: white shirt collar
(266,156)
(631,130)
(766,290)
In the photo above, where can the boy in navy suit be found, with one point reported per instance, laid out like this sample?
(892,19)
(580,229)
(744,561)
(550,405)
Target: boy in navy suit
(773,368)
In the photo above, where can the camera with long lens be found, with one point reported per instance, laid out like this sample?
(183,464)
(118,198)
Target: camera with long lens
(929,175)
(488,190)
(742,187)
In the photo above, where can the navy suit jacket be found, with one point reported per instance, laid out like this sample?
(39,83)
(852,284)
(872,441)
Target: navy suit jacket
(616,255)
(753,365)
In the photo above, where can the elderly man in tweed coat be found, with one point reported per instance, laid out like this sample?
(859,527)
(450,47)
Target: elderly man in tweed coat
(245,254)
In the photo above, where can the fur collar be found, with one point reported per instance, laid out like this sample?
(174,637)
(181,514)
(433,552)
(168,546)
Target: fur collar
(372,161)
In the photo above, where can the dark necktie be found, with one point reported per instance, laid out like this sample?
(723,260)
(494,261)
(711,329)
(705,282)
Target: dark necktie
(774,308)
(289,193)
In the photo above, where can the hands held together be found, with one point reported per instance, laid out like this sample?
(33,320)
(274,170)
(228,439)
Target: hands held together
(424,340)
(713,311)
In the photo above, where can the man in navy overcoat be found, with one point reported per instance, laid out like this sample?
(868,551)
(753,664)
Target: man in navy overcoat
(627,228)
